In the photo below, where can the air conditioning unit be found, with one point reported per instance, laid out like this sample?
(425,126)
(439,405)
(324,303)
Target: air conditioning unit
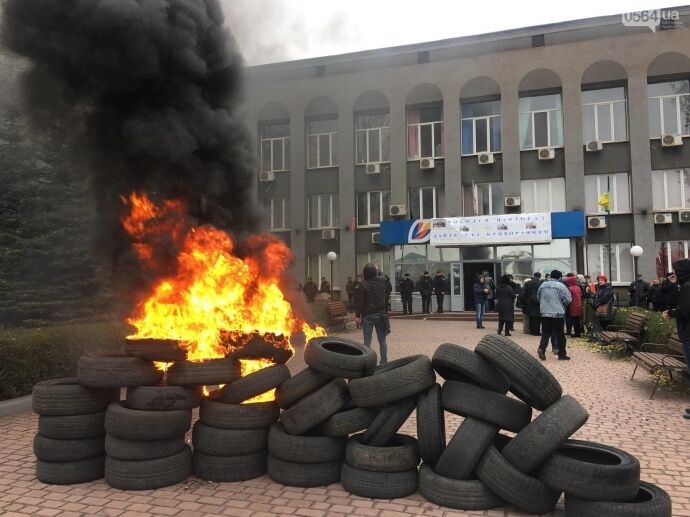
(665,218)
(546,153)
(671,140)
(512,201)
(594,146)
(426,163)
(684,216)
(373,168)
(596,222)
(376,238)
(485,158)
(267,176)
(328,235)
(396,210)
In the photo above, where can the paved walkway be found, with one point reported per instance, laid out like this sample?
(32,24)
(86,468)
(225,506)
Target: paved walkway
(621,415)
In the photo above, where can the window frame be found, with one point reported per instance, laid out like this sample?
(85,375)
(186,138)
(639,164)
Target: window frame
(532,113)
(669,258)
(333,216)
(285,209)
(550,197)
(332,162)
(614,191)
(419,125)
(610,104)
(603,261)
(660,99)
(475,197)
(474,135)
(685,202)
(420,193)
(366,131)
(382,210)
(324,269)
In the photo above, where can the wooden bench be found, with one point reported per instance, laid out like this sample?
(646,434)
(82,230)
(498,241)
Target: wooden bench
(338,317)
(629,335)
(667,359)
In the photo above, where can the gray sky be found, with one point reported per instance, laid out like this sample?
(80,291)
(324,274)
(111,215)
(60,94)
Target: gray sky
(278,30)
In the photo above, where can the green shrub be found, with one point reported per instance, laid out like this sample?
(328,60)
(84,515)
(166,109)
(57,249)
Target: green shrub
(657,329)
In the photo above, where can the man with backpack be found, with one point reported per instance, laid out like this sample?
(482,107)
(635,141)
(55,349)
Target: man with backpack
(370,308)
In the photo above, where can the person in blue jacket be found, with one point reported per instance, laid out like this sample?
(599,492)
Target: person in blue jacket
(481,290)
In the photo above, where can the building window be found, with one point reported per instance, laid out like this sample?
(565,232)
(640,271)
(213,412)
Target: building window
(372,207)
(318,267)
(322,143)
(422,202)
(541,121)
(373,137)
(618,185)
(547,195)
(483,199)
(322,211)
(604,115)
(425,133)
(381,259)
(667,253)
(671,189)
(276,213)
(481,127)
(669,108)
(275,147)
(621,262)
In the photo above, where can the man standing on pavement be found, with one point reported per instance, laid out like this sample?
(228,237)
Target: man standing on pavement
(406,290)
(681,312)
(425,288)
(370,308)
(638,292)
(439,290)
(553,297)
(530,304)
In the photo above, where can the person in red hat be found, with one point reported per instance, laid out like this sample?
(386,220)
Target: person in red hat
(603,303)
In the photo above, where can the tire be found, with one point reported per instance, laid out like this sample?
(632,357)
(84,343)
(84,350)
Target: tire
(544,434)
(465,449)
(650,501)
(148,474)
(113,370)
(132,424)
(139,450)
(163,350)
(399,455)
(387,423)
(379,485)
(393,381)
(70,472)
(66,397)
(315,408)
(213,441)
(254,384)
(304,449)
(529,380)
(340,357)
(453,493)
(590,470)
(347,421)
(229,468)
(258,348)
(299,386)
(163,398)
(521,490)
(457,363)
(469,400)
(303,475)
(49,449)
(75,427)
(238,416)
(431,424)
(213,371)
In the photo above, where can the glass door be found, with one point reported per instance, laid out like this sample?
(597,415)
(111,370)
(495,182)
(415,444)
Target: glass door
(456,298)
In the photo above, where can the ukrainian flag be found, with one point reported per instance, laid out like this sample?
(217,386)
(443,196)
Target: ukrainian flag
(605,201)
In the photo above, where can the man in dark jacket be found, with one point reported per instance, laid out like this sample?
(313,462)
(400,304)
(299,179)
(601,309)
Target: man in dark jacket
(638,292)
(425,288)
(310,289)
(439,290)
(370,307)
(668,293)
(406,290)
(530,304)
(681,312)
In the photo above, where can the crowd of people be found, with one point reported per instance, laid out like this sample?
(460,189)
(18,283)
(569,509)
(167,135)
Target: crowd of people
(661,294)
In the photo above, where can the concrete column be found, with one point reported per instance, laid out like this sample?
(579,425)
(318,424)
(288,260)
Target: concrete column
(346,190)
(510,138)
(298,202)
(572,138)
(398,127)
(451,142)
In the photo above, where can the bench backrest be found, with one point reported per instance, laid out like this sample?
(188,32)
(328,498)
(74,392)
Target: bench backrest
(635,321)
(337,309)
(674,344)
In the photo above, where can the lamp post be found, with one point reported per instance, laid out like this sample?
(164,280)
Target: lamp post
(636,252)
(332,256)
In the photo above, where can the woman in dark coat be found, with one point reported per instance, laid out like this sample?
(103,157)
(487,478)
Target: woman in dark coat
(505,304)
(603,298)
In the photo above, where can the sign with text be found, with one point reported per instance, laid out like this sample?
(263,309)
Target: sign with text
(485,230)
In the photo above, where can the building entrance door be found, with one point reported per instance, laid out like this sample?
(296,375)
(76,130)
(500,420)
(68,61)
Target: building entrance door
(457,301)
(470,272)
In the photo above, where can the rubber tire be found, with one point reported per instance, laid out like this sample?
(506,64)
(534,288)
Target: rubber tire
(304,449)
(213,371)
(388,422)
(431,424)
(148,474)
(254,384)
(75,427)
(521,490)
(615,477)
(114,370)
(379,485)
(545,434)
(49,449)
(163,398)
(257,348)
(315,408)
(465,449)
(299,386)
(303,475)
(393,381)
(229,468)
(139,450)
(133,424)
(651,501)
(238,416)
(529,380)
(340,357)
(457,363)
(400,454)
(470,400)
(70,472)
(347,421)
(162,350)
(213,441)
(66,397)
(468,495)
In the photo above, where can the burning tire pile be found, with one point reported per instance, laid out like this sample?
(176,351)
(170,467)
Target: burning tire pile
(340,422)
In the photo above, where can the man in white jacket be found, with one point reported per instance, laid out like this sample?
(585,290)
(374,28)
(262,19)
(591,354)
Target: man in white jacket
(553,297)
